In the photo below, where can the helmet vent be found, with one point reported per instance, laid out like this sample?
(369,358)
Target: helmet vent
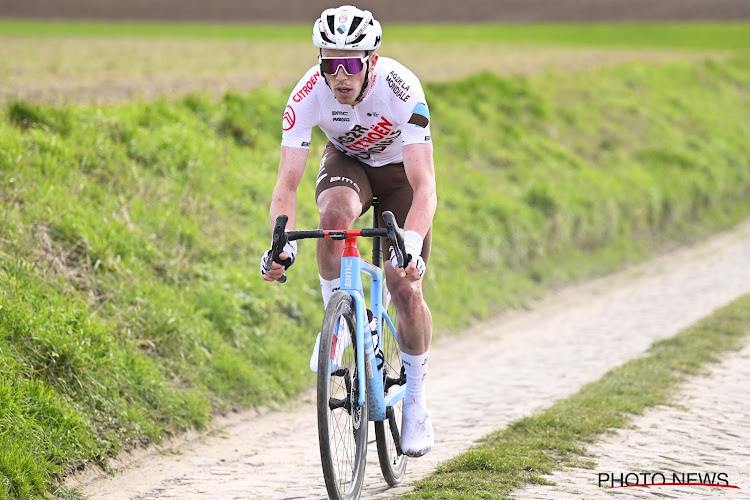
(330,24)
(359,39)
(325,37)
(355,24)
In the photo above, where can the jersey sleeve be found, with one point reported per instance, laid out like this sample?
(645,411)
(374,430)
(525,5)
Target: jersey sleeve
(302,112)
(414,114)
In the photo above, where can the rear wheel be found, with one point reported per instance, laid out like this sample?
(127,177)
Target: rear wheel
(387,432)
(342,423)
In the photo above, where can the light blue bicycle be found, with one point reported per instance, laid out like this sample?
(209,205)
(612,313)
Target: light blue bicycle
(360,371)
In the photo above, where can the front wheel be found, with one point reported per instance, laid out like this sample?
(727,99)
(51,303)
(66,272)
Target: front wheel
(342,423)
(387,432)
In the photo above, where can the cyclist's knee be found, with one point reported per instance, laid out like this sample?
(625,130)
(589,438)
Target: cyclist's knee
(338,211)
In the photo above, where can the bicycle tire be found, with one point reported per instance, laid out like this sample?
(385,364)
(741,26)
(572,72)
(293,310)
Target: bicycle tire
(342,424)
(387,432)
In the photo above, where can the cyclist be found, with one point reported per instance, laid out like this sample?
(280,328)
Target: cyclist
(374,113)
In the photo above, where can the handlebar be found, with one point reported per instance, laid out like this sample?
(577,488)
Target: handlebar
(391,232)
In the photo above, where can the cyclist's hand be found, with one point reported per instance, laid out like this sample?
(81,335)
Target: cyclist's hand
(285,261)
(416,267)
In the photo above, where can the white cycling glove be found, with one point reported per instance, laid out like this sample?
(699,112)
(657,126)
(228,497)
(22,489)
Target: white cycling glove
(290,248)
(413,243)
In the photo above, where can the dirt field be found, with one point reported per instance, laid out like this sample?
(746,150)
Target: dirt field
(386,10)
(75,70)
(68,70)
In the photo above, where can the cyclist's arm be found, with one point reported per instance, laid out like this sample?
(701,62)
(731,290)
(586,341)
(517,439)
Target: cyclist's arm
(420,171)
(284,200)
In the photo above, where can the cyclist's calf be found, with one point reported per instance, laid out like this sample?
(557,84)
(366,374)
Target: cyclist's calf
(414,316)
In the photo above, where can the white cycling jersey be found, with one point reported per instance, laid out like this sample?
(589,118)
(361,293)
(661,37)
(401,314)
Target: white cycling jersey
(392,113)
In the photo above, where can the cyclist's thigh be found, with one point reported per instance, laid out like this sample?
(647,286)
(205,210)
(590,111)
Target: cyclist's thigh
(338,169)
(391,186)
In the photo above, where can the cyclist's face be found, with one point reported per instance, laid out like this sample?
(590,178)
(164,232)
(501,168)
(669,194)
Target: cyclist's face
(346,87)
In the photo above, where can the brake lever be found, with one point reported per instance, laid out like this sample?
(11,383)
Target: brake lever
(277,244)
(396,236)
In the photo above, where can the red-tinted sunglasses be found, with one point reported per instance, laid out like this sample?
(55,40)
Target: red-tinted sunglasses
(351,65)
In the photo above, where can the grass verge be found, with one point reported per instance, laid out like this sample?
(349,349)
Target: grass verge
(531,447)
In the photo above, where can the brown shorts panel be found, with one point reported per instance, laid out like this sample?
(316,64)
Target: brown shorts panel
(389,183)
(394,193)
(338,169)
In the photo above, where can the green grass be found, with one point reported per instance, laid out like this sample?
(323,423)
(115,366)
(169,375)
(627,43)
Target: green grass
(685,35)
(554,168)
(529,448)
(131,306)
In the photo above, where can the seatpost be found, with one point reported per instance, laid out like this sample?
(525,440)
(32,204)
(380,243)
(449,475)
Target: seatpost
(376,246)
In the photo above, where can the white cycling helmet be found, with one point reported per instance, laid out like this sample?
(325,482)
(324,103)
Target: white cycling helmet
(347,28)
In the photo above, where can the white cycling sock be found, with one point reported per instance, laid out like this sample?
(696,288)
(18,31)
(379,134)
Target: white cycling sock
(417,433)
(416,372)
(327,287)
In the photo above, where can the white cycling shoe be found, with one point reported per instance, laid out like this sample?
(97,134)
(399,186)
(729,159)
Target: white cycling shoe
(344,340)
(417,435)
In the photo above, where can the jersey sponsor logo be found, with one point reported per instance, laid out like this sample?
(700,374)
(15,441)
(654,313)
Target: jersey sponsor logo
(397,85)
(363,142)
(420,115)
(340,116)
(289,118)
(379,146)
(359,137)
(355,133)
(306,88)
(305,144)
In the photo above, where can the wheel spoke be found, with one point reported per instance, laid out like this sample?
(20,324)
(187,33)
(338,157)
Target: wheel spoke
(342,424)
(392,460)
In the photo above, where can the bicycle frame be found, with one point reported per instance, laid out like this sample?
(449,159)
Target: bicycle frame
(352,268)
